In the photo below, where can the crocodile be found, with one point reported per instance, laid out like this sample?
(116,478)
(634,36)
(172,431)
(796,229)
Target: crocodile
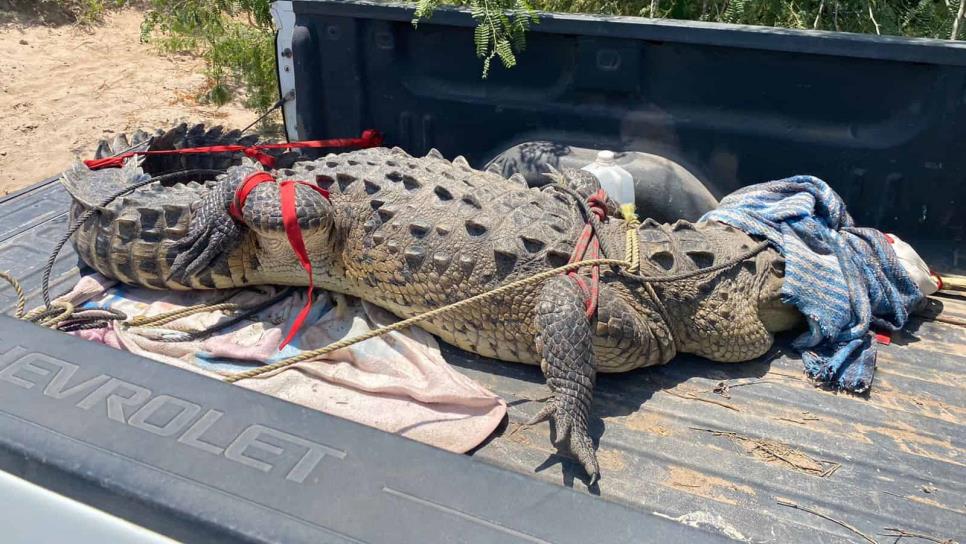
(410,234)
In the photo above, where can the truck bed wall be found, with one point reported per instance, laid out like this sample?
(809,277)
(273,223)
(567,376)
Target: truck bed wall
(881,119)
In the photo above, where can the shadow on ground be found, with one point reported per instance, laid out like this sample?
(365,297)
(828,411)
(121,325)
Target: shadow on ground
(616,395)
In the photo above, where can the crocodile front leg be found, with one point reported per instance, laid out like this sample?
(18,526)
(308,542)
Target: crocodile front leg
(565,338)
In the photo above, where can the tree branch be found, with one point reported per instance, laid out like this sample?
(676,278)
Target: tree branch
(818,16)
(959,19)
(878,31)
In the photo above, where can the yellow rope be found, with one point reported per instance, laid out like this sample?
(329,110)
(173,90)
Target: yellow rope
(632,247)
(57,312)
(46,317)
(21,298)
(537,278)
(173,315)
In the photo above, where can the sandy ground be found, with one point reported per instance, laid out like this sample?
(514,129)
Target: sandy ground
(64,88)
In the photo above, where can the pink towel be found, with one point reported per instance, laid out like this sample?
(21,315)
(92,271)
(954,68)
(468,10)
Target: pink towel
(398,382)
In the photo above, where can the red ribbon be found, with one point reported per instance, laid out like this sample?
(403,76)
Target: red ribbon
(286,194)
(369,138)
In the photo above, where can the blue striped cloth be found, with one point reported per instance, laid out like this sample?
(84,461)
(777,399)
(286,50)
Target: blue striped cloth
(840,277)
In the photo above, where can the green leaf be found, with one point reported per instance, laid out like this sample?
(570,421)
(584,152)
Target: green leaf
(505,52)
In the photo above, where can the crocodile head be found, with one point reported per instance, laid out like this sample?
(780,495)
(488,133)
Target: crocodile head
(255,242)
(275,255)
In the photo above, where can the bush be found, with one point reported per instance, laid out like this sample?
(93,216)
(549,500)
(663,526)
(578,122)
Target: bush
(235,37)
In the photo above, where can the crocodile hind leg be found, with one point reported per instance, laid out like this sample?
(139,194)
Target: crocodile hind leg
(565,341)
(629,333)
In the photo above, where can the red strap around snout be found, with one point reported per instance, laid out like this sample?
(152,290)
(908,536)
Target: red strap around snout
(290,220)
(241,194)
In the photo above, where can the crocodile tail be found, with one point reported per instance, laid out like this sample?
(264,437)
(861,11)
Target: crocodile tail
(183,136)
(180,137)
(92,188)
(129,238)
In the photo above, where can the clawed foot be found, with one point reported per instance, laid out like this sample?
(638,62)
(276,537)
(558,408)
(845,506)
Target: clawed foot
(568,432)
(208,239)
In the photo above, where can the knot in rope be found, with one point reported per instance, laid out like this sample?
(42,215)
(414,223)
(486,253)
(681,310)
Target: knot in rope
(598,204)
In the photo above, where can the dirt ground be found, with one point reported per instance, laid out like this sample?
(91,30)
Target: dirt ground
(63,88)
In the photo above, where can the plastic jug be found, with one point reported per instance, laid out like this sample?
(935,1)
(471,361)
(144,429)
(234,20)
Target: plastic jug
(617,182)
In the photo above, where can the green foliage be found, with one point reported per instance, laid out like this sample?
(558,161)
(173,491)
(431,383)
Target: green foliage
(235,37)
(87,11)
(918,18)
(501,27)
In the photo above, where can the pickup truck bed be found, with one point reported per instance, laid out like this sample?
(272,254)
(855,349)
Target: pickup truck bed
(693,451)
(669,444)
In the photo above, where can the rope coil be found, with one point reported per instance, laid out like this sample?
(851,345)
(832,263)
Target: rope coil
(61,315)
